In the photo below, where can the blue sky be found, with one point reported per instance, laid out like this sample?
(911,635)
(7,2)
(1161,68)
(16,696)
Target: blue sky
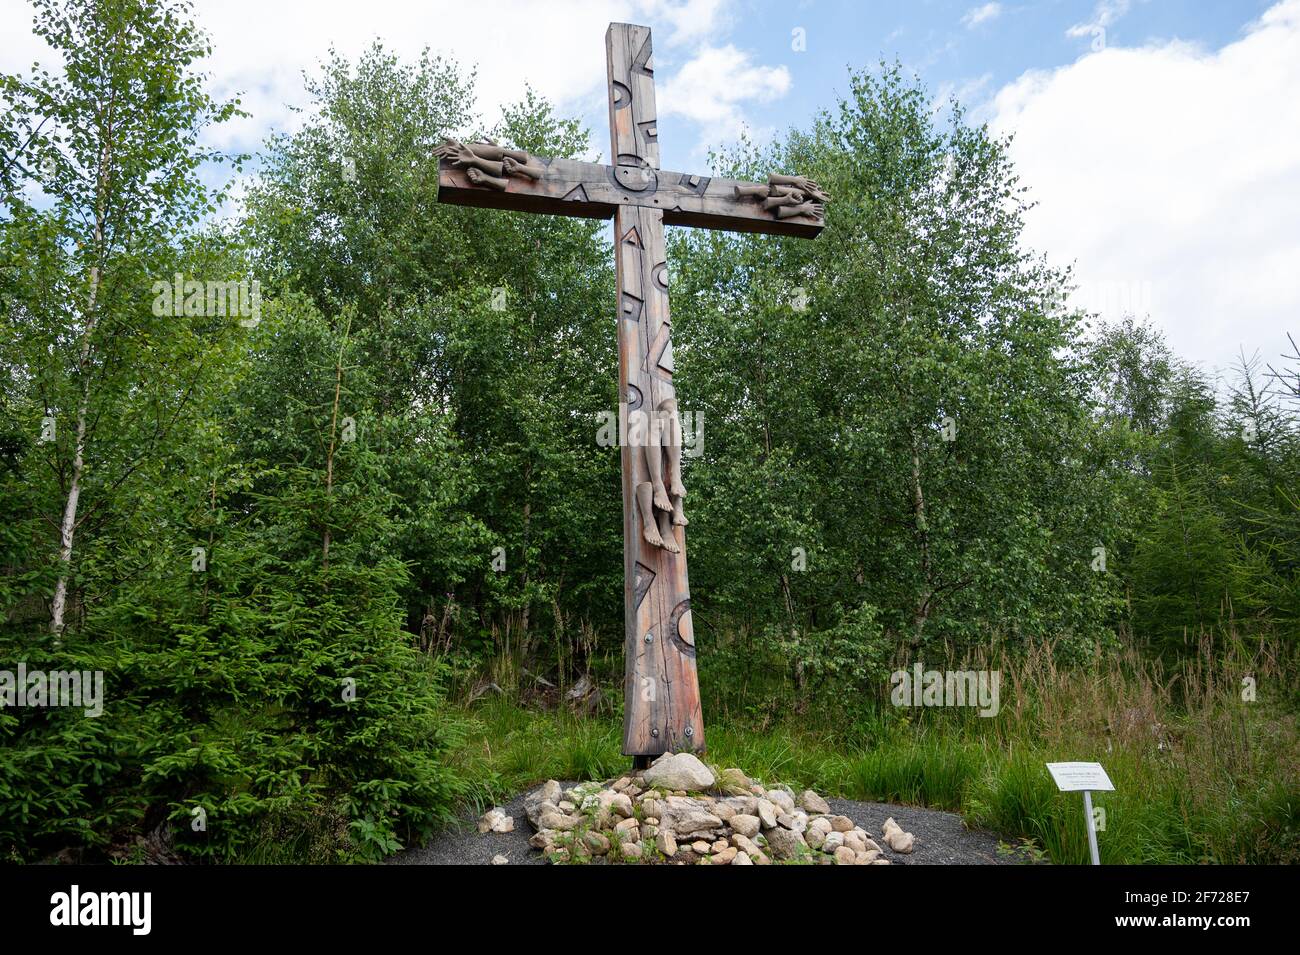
(1160,139)
(952,50)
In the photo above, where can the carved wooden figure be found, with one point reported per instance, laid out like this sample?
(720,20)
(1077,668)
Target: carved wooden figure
(661,690)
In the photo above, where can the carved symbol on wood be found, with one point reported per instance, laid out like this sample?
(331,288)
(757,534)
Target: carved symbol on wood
(642,581)
(642,62)
(665,361)
(696,184)
(632,307)
(634,174)
(681,630)
(659,348)
(649,130)
(660,276)
(622,96)
(634,398)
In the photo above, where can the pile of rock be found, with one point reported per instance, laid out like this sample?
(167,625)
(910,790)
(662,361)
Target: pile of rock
(678,811)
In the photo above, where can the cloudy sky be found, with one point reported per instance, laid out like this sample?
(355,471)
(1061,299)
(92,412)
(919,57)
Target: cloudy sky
(1160,138)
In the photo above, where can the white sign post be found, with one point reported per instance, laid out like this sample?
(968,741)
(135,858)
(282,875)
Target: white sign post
(1086,778)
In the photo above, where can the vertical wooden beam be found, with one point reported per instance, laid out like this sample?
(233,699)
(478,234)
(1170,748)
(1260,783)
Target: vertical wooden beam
(661,690)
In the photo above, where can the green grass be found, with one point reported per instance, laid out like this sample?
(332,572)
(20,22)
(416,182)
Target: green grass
(1218,781)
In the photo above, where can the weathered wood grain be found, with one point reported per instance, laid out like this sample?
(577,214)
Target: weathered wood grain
(595,191)
(661,709)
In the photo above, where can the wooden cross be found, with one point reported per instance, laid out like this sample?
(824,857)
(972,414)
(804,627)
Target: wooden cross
(661,691)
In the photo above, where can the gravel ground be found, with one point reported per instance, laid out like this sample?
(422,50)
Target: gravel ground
(941,838)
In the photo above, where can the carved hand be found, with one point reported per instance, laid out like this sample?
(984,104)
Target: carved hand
(448,149)
(461,155)
(810,187)
(814,209)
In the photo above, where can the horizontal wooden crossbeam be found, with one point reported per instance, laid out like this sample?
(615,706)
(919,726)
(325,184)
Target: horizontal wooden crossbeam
(594,191)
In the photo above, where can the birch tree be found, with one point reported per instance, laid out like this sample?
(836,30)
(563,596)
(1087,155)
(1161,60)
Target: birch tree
(102,171)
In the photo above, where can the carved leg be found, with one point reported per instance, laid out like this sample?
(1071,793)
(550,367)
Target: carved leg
(784,200)
(672,442)
(645,505)
(678,516)
(654,463)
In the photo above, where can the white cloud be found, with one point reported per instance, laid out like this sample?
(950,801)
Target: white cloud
(1170,175)
(977,15)
(261,49)
(691,20)
(1103,15)
(970,94)
(713,86)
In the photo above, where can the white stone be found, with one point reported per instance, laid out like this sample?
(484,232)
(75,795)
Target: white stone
(548,792)
(621,805)
(496,820)
(894,837)
(679,771)
(558,820)
(899,841)
(813,802)
(784,843)
(797,820)
(687,817)
(781,799)
(500,860)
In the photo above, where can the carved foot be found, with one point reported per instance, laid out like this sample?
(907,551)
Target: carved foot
(479,178)
(513,167)
(666,532)
(676,488)
(651,535)
(661,498)
(654,535)
(679,518)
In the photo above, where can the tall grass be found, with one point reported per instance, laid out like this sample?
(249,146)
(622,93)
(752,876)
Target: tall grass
(1201,774)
